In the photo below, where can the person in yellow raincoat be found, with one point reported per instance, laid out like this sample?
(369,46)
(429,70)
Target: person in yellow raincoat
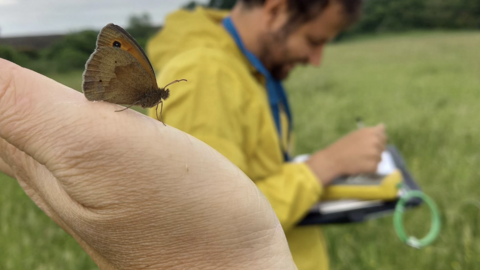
(234,100)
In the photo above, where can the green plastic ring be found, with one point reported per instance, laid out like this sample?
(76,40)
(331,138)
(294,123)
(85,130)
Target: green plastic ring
(398,220)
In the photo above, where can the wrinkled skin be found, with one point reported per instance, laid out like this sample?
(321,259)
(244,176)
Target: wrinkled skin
(134,193)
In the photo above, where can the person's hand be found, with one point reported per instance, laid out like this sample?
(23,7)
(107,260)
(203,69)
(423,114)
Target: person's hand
(357,153)
(134,193)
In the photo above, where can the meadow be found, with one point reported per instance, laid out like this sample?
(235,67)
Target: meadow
(425,87)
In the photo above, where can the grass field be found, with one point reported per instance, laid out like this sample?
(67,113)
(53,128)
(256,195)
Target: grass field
(424,86)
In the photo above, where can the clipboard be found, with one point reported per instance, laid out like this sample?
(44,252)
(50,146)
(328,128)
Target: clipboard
(338,210)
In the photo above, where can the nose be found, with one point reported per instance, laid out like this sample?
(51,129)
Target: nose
(315,56)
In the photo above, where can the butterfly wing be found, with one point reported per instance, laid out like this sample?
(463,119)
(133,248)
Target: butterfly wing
(115,76)
(111,33)
(118,71)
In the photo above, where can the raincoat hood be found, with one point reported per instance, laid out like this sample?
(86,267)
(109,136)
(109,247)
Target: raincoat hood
(186,30)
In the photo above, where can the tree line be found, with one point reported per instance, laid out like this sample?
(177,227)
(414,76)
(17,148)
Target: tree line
(73,50)
(402,15)
(379,16)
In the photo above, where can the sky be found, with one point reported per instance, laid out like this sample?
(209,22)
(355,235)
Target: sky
(40,17)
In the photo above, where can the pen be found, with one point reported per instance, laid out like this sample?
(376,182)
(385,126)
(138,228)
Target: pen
(359,123)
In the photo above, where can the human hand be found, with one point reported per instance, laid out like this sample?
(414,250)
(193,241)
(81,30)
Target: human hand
(357,153)
(135,194)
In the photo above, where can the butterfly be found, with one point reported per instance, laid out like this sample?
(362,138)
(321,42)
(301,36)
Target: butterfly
(119,72)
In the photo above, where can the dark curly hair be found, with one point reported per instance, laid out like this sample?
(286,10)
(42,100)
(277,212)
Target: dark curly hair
(302,11)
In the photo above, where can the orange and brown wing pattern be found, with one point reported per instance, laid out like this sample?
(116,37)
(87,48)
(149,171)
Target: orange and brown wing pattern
(118,70)
(114,36)
(115,76)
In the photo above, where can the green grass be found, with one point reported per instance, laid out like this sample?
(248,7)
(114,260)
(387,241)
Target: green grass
(423,86)
(72,79)
(426,89)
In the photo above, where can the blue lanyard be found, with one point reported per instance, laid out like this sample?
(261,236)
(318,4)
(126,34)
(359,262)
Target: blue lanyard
(276,93)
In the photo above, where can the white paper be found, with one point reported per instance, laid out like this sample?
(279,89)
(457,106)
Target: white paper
(387,165)
(328,207)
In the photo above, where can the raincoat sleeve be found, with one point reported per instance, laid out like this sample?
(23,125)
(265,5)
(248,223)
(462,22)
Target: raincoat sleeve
(291,192)
(213,106)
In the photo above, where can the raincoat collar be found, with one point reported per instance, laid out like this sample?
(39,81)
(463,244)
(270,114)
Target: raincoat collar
(276,93)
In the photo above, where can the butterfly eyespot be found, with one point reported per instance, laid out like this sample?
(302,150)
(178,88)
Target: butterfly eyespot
(117,44)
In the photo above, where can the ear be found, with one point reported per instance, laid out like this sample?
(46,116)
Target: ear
(275,13)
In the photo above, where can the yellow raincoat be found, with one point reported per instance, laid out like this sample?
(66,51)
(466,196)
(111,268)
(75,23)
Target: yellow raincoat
(225,104)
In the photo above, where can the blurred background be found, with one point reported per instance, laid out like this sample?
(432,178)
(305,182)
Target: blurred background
(413,65)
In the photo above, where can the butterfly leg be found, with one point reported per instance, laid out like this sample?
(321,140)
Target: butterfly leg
(127,107)
(161,110)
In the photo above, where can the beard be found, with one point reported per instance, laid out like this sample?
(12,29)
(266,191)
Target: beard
(276,57)
(281,71)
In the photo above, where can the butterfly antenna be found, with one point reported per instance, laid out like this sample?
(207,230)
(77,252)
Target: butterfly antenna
(176,81)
